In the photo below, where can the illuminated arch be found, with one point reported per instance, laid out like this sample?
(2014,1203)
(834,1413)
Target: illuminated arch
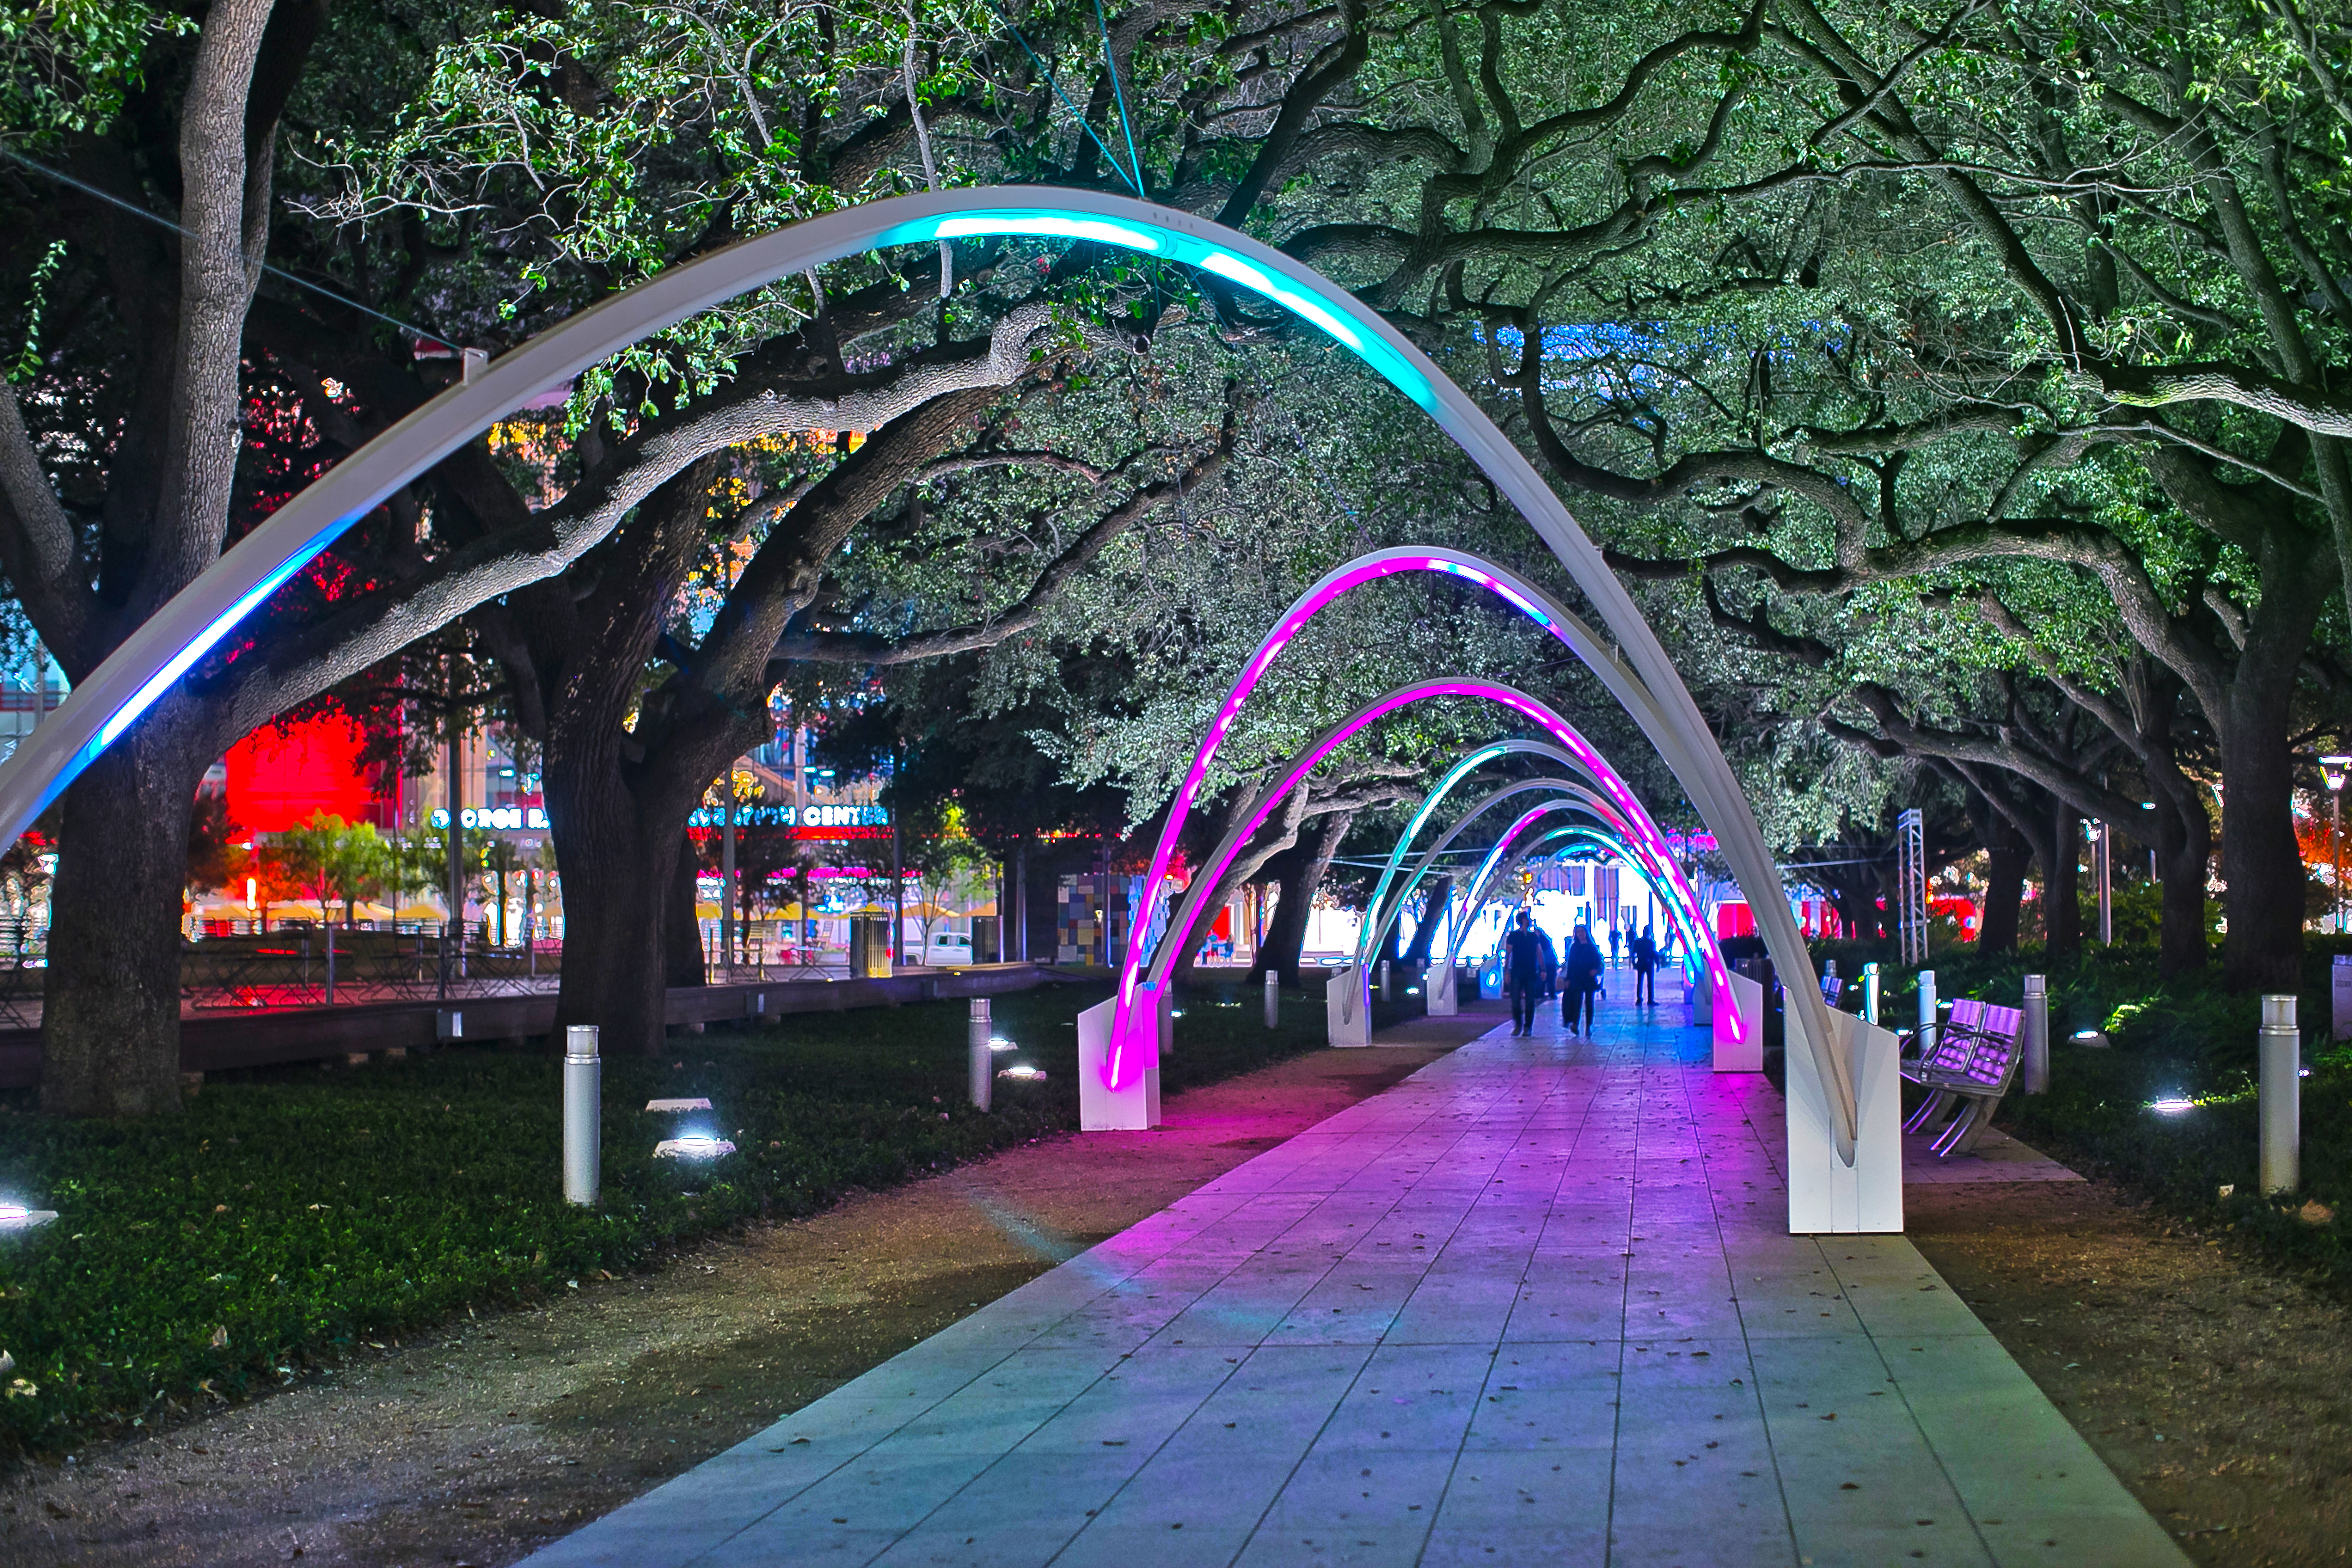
(1625,841)
(1444,785)
(1462,768)
(1698,940)
(169,643)
(1625,816)
(1689,752)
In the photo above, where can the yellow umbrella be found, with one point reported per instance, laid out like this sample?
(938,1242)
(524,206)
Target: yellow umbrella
(417,912)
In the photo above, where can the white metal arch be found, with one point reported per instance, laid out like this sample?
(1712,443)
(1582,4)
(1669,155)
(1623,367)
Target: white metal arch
(169,643)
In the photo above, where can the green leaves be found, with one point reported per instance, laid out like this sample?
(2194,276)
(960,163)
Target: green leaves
(66,67)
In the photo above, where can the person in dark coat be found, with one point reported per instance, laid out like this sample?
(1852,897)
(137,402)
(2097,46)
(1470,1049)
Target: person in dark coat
(1581,981)
(1644,954)
(1526,956)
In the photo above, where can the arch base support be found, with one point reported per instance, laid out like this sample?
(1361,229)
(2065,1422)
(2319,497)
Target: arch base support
(1440,982)
(1740,1050)
(1826,1196)
(1136,1107)
(1350,1018)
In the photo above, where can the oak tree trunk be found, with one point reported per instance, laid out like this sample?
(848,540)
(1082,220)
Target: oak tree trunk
(682,928)
(2262,865)
(2061,908)
(1432,916)
(2184,856)
(111,1009)
(1304,867)
(2004,892)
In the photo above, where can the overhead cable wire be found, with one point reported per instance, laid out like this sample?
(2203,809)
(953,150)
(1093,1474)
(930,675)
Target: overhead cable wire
(1119,92)
(1046,71)
(279,272)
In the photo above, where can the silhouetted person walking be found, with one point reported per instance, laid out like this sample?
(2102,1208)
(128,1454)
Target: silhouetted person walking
(1527,954)
(1644,954)
(1580,979)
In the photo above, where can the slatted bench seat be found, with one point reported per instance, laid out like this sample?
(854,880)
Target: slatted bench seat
(1968,1073)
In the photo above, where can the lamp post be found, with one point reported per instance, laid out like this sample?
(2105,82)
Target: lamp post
(2332,770)
(2106,887)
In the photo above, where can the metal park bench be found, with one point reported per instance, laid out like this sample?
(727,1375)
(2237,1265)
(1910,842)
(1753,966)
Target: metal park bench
(1967,1068)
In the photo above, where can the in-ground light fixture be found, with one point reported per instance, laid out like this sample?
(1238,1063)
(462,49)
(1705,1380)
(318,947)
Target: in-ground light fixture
(17,1216)
(999,1043)
(693,1146)
(2172,1105)
(1022,1070)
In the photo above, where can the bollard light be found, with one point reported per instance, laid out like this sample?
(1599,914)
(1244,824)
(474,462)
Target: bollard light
(584,1113)
(1930,1020)
(2035,1077)
(1870,994)
(979,1057)
(2280,1096)
(1272,1001)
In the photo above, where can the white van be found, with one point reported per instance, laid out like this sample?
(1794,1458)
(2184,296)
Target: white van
(948,949)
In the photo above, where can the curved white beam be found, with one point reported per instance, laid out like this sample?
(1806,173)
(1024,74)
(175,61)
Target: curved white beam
(171,641)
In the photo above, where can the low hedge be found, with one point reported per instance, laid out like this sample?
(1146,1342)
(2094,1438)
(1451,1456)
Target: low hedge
(289,1216)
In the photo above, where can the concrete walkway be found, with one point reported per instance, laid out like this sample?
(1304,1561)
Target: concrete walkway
(1535,1305)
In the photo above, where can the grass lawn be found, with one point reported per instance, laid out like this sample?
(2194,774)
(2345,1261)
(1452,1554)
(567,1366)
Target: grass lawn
(291,1213)
(2178,1038)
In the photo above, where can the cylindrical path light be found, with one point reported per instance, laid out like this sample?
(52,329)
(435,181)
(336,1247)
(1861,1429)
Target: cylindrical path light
(2280,1096)
(584,1115)
(2037,1034)
(1273,999)
(979,1057)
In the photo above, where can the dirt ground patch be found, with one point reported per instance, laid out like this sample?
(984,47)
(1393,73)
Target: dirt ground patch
(2219,1392)
(479,1444)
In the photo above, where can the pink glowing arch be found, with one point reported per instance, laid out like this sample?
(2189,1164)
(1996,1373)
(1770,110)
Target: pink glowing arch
(1135,1051)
